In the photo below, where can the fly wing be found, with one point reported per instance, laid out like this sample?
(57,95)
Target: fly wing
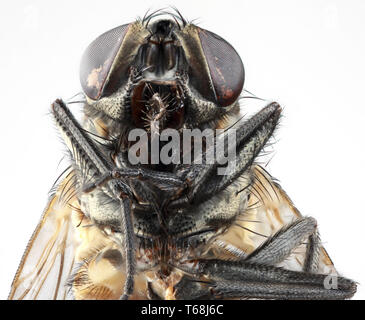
(49,257)
(269,210)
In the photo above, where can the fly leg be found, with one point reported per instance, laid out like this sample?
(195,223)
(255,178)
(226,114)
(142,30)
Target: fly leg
(278,247)
(90,162)
(169,180)
(256,277)
(241,279)
(251,136)
(312,253)
(165,180)
(246,280)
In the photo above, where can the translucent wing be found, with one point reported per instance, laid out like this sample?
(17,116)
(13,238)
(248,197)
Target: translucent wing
(269,209)
(49,257)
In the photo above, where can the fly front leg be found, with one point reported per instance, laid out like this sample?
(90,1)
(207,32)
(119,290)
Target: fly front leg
(204,180)
(90,162)
(169,180)
(127,238)
(144,194)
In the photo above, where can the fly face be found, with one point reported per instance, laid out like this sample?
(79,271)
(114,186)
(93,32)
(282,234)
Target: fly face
(171,231)
(173,72)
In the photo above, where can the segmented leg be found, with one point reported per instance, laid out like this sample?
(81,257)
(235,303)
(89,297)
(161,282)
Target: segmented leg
(256,277)
(240,279)
(86,153)
(166,178)
(129,246)
(263,290)
(280,245)
(312,254)
(251,136)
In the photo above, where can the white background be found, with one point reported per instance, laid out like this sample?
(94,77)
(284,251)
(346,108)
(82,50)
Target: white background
(307,55)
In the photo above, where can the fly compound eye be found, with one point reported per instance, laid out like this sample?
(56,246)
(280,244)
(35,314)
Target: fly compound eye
(225,67)
(215,69)
(98,61)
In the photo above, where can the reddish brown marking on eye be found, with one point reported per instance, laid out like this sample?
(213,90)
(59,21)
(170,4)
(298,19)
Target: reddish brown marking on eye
(225,67)
(93,78)
(227,93)
(97,76)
